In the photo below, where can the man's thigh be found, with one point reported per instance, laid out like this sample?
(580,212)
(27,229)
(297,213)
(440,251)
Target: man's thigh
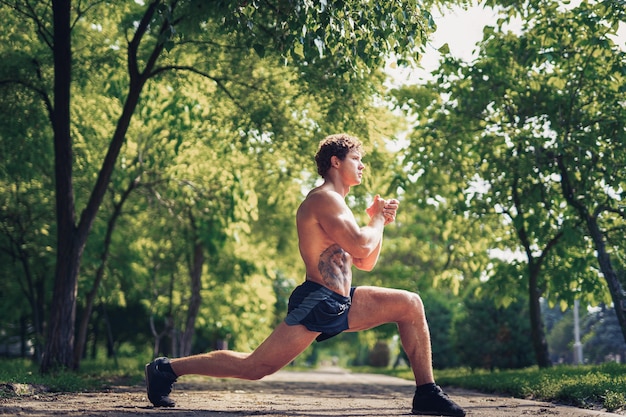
(282,346)
(373,306)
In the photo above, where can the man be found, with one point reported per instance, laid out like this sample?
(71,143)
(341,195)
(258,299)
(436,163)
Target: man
(326,304)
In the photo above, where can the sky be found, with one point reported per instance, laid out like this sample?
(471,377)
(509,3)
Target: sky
(461,30)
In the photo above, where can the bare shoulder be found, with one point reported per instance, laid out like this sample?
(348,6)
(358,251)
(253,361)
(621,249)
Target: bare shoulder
(321,195)
(320,200)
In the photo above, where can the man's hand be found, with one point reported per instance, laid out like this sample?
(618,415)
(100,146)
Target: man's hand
(387,208)
(390,209)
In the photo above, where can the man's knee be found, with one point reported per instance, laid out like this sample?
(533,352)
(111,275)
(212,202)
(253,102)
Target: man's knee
(414,303)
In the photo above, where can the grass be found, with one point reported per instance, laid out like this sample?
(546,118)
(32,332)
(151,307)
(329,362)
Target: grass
(602,386)
(94,375)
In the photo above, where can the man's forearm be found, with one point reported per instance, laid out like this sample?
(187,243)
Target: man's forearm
(369,262)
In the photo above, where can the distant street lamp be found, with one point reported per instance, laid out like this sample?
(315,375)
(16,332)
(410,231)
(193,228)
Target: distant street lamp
(578,347)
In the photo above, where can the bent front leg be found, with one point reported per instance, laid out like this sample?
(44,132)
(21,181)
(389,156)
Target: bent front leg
(373,306)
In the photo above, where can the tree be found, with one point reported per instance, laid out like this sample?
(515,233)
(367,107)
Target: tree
(453,160)
(159,33)
(26,220)
(492,124)
(582,85)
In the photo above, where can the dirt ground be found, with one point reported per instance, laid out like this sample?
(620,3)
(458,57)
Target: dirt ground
(324,392)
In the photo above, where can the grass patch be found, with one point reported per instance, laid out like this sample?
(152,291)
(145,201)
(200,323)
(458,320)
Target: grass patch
(602,386)
(94,375)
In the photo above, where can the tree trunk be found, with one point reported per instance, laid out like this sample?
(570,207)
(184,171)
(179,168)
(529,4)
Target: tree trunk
(195,300)
(169,327)
(60,342)
(109,332)
(537,332)
(538,337)
(59,351)
(71,240)
(35,294)
(604,259)
(91,296)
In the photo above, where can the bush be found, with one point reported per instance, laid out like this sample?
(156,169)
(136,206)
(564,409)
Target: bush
(492,337)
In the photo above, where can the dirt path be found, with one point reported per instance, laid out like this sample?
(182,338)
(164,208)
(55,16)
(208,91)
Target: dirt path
(325,392)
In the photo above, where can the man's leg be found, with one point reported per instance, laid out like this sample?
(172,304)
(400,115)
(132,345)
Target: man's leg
(279,349)
(373,306)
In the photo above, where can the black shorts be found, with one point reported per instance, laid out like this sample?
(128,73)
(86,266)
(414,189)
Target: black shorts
(319,309)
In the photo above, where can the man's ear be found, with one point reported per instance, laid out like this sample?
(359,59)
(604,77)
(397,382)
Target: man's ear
(334,161)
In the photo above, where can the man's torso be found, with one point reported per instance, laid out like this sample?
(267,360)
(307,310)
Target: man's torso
(326,262)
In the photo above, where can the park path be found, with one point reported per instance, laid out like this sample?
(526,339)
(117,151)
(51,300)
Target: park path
(320,393)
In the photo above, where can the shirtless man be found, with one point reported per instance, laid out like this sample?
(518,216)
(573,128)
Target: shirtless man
(326,304)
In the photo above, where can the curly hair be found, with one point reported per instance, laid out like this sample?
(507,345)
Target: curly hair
(338,145)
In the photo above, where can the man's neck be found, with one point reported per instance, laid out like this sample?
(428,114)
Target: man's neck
(336,186)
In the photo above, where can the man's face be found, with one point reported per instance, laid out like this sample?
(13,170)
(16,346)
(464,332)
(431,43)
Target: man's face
(351,168)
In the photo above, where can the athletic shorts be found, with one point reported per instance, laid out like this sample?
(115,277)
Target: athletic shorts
(319,309)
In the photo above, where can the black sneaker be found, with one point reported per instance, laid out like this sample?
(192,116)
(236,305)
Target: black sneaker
(159,382)
(435,403)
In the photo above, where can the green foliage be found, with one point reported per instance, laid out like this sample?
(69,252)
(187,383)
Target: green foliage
(442,309)
(527,133)
(431,244)
(214,152)
(196,99)
(27,225)
(219,151)
(492,337)
(349,31)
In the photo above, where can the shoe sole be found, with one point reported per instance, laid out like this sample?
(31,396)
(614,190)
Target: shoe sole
(432,413)
(145,369)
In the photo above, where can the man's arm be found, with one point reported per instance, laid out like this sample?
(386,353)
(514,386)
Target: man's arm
(368,263)
(339,223)
(389,209)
